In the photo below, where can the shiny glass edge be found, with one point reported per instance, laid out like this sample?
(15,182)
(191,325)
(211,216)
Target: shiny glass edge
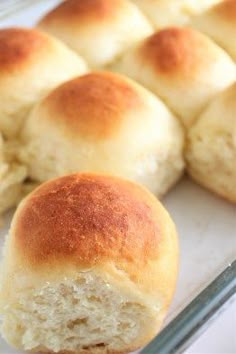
(183,330)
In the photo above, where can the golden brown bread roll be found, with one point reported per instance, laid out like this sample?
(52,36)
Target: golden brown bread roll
(107,123)
(182,66)
(31,64)
(219,23)
(211,148)
(162,13)
(90,267)
(99,30)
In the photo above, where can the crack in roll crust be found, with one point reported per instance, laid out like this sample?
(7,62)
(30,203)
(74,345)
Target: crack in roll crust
(88,218)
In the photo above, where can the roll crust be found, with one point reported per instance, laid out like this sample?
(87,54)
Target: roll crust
(90,254)
(99,30)
(103,219)
(84,12)
(19,46)
(107,123)
(182,66)
(94,105)
(177,52)
(211,147)
(219,24)
(31,64)
(162,13)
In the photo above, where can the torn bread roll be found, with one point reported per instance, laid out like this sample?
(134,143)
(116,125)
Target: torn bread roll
(90,267)
(99,30)
(104,122)
(182,66)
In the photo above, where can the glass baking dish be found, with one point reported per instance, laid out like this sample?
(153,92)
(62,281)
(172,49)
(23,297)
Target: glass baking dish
(206,226)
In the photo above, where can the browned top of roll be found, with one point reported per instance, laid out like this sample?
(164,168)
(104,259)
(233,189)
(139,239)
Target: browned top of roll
(226,10)
(89,219)
(178,51)
(73,11)
(93,105)
(18,46)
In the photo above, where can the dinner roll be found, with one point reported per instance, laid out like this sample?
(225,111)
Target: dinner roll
(182,66)
(104,122)
(211,149)
(12,175)
(31,64)
(164,13)
(220,24)
(99,30)
(90,267)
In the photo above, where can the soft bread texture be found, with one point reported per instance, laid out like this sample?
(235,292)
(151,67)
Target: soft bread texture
(99,30)
(31,64)
(90,267)
(182,66)
(106,123)
(162,13)
(220,24)
(12,175)
(211,149)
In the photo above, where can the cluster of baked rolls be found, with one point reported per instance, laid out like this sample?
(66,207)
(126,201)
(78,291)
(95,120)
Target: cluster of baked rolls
(141,90)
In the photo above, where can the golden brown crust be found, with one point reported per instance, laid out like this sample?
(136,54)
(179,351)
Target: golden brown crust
(88,219)
(226,10)
(93,105)
(18,46)
(176,51)
(80,12)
